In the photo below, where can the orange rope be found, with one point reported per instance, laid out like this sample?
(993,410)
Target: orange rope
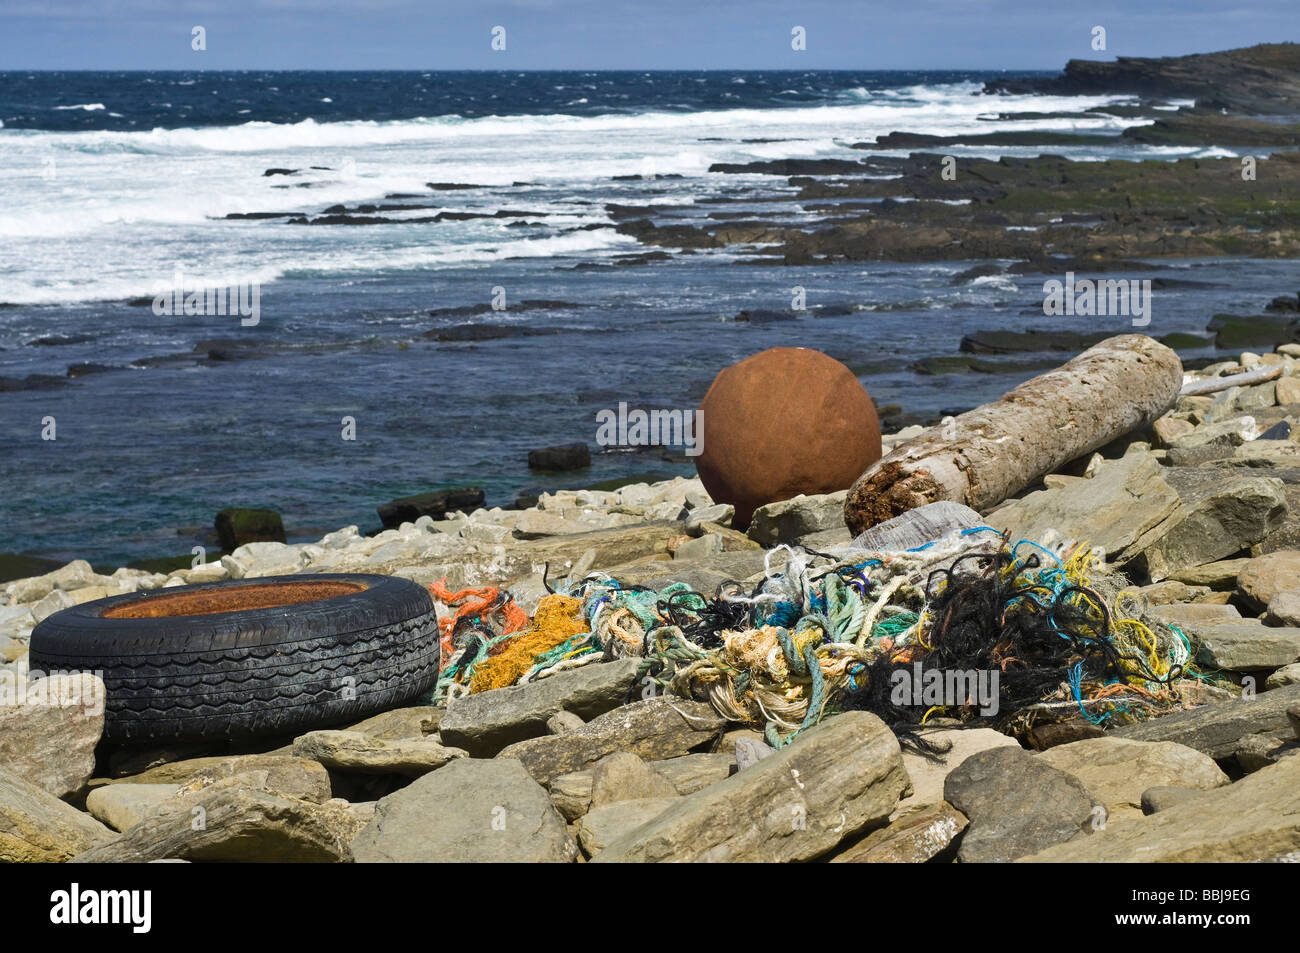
(486,598)
(1002,659)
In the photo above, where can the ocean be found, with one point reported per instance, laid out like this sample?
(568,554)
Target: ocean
(116,183)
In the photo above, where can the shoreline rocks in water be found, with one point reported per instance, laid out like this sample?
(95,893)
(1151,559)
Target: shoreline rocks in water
(1257,79)
(434,505)
(864,205)
(237,526)
(1013,208)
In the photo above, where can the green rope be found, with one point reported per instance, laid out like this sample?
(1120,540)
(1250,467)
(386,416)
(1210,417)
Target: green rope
(557,654)
(845,609)
(815,702)
(894,625)
(791,653)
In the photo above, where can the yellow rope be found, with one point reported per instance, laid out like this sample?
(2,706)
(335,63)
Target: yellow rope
(558,619)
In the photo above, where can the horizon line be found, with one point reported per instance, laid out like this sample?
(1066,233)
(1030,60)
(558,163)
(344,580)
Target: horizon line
(571,69)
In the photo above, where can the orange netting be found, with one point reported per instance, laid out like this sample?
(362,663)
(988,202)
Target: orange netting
(472,602)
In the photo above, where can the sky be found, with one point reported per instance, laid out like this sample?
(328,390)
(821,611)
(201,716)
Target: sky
(618,34)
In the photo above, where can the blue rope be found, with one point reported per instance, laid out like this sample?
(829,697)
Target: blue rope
(1075,675)
(783,614)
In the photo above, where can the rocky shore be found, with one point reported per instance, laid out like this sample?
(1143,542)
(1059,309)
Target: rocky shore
(1044,213)
(1262,79)
(1198,515)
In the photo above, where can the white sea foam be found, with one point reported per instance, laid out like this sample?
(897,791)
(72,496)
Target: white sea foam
(936,110)
(997,282)
(133,277)
(94,215)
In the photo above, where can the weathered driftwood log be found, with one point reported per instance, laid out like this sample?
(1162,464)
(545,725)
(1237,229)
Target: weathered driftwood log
(1259,375)
(992,452)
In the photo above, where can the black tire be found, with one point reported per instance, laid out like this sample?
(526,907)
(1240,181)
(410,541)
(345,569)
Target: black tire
(278,670)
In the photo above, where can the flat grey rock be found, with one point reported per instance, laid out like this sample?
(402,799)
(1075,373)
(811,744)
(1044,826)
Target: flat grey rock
(654,729)
(122,806)
(1115,508)
(233,823)
(36,827)
(1017,804)
(603,825)
(802,515)
(1254,819)
(1248,646)
(366,754)
(833,782)
(1116,771)
(1217,729)
(485,723)
(50,738)
(470,811)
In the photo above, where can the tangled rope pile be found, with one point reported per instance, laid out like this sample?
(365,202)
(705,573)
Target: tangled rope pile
(825,634)
(482,619)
